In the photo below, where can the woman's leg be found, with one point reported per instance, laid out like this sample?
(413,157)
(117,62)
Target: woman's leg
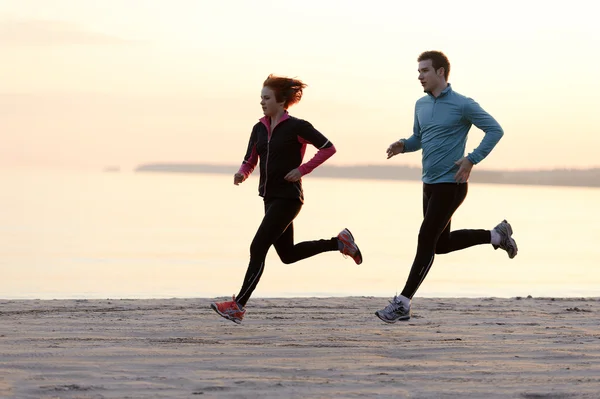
(289,252)
(279,214)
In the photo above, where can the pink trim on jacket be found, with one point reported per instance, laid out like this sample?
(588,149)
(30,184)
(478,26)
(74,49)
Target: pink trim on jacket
(266,120)
(248,166)
(321,156)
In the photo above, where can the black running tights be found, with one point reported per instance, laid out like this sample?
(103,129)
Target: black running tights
(277,229)
(440,201)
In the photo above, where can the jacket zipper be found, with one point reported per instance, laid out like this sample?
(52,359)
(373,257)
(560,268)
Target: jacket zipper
(267,162)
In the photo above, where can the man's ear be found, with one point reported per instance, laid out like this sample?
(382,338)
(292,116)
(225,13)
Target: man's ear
(441,71)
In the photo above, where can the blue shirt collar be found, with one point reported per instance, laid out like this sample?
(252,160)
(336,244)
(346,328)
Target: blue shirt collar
(444,92)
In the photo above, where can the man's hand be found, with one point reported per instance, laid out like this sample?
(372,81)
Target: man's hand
(238,178)
(293,175)
(464,170)
(395,148)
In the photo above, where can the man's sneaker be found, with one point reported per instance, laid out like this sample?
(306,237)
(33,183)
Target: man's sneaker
(350,248)
(507,243)
(230,310)
(395,311)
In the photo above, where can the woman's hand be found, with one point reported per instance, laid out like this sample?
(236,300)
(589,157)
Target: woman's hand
(238,178)
(293,175)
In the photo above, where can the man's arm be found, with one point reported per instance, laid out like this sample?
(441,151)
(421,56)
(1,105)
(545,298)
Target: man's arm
(493,131)
(413,143)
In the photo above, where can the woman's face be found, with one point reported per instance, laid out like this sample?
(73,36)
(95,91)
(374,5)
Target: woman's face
(269,104)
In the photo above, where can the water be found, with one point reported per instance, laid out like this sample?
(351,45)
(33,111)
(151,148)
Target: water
(128,235)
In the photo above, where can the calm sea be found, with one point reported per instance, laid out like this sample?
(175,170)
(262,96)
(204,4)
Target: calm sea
(144,235)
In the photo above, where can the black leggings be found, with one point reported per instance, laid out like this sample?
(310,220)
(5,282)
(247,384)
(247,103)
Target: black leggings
(277,229)
(440,201)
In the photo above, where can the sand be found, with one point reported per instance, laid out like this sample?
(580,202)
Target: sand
(300,348)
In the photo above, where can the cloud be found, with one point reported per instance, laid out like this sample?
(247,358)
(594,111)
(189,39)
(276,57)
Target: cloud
(50,33)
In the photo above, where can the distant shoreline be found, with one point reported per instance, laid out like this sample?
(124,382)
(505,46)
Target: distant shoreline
(554,177)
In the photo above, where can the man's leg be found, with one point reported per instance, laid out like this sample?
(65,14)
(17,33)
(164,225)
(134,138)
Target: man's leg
(450,241)
(440,201)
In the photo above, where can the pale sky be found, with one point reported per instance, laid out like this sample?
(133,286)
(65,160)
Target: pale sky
(87,84)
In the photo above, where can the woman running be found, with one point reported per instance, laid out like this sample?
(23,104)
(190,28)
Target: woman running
(279,141)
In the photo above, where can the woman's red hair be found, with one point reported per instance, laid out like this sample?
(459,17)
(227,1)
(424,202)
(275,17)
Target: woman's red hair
(286,90)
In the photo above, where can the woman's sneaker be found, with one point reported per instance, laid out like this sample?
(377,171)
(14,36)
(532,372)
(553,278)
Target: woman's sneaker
(349,246)
(230,310)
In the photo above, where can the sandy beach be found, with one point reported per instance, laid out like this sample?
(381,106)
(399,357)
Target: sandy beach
(300,348)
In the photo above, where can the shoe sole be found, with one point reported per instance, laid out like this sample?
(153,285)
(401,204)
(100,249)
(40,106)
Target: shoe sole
(403,318)
(357,249)
(509,232)
(514,243)
(214,307)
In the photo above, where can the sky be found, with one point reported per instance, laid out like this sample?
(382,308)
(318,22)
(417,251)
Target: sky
(87,84)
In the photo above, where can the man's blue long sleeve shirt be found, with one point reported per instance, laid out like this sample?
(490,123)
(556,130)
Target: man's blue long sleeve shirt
(441,126)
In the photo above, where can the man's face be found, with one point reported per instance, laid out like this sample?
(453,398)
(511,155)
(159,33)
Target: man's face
(430,78)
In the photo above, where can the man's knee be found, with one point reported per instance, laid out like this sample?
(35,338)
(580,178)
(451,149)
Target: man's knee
(257,251)
(442,246)
(426,239)
(442,249)
(287,258)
